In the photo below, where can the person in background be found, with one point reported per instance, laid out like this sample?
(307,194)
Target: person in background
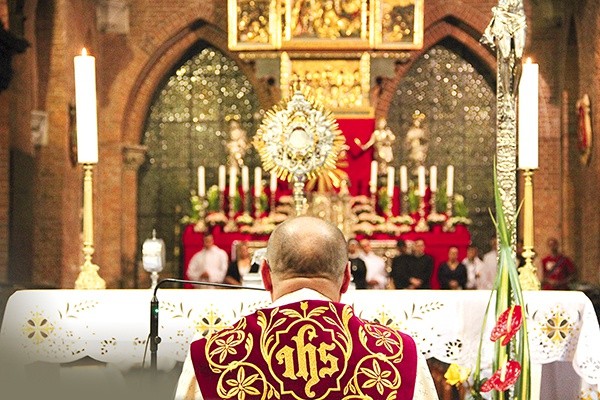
(209,264)
(357,265)
(377,277)
(487,275)
(240,266)
(474,265)
(419,275)
(558,270)
(452,274)
(401,265)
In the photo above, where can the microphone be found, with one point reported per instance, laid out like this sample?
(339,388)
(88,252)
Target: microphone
(153,337)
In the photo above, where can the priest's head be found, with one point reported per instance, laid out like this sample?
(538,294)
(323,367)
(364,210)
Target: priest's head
(306,252)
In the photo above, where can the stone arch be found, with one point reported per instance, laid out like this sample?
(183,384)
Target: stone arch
(443,21)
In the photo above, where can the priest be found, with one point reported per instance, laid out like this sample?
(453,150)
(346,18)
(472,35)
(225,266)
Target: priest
(307,345)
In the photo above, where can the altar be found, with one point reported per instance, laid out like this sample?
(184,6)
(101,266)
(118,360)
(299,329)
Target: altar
(111,326)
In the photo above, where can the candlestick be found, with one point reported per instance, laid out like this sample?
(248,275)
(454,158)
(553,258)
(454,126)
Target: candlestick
(421,173)
(273,190)
(433,178)
(88,277)
(85,99)
(528,273)
(528,117)
(450,181)
(201,182)
(403,179)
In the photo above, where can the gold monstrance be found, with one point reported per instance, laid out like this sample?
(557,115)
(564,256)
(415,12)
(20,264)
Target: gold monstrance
(298,139)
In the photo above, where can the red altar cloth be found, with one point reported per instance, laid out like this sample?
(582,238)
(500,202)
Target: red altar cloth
(437,243)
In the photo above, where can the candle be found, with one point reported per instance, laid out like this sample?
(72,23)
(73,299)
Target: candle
(390,181)
(273,182)
(421,181)
(257,182)
(433,178)
(528,116)
(245,179)
(201,182)
(85,100)
(373,180)
(403,179)
(232,181)
(450,181)
(221,178)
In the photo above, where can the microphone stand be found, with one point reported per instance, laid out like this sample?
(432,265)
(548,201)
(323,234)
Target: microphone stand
(154,338)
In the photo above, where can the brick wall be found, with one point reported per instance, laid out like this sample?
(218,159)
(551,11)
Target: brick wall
(131,67)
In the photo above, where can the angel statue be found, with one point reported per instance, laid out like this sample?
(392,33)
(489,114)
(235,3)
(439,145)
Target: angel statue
(237,145)
(416,141)
(382,139)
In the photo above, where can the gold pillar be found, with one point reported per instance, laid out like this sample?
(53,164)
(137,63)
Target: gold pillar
(88,277)
(528,273)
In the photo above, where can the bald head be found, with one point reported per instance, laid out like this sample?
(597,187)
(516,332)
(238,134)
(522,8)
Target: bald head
(307,247)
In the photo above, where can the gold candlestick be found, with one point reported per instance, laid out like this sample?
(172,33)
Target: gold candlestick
(422,225)
(257,207)
(88,277)
(231,225)
(528,273)
(432,202)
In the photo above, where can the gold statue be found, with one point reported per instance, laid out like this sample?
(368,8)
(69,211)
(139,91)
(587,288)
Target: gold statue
(237,145)
(382,139)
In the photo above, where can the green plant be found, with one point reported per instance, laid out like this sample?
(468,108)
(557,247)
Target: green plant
(212,197)
(460,209)
(413,199)
(383,200)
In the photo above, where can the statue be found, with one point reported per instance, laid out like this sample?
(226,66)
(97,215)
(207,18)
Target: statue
(416,141)
(237,145)
(382,140)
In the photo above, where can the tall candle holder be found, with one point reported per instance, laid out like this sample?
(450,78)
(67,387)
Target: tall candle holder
(432,202)
(222,200)
(231,225)
(449,206)
(202,205)
(247,202)
(272,202)
(422,225)
(88,277)
(404,206)
(528,273)
(257,206)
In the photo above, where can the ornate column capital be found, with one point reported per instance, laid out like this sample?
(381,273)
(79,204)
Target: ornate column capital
(134,156)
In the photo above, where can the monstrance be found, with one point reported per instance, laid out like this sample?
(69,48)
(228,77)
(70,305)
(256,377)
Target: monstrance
(298,140)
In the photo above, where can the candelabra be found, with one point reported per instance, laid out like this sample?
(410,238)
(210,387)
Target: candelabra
(257,205)
(88,277)
(405,207)
(528,273)
(432,202)
(231,225)
(422,225)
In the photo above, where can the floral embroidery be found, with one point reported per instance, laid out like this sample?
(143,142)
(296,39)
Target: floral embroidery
(378,378)
(242,385)
(38,328)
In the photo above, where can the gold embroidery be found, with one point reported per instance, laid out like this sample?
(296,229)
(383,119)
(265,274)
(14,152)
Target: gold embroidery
(38,328)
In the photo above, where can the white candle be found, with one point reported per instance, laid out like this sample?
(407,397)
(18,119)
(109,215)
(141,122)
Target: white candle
(422,181)
(390,181)
(245,179)
(85,100)
(373,180)
(433,178)
(221,178)
(528,116)
(273,182)
(450,181)
(201,182)
(232,181)
(403,179)
(257,182)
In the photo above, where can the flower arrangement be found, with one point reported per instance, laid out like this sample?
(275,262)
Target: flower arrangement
(286,200)
(402,220)
(387,227)
(371,217)
(216,218)
(362,208)
(244,219)
(413,200)
(363,228)
(435,218)
(194,215)
(212,198)
(511,378)
(276,218)
(383,200)
(362,199)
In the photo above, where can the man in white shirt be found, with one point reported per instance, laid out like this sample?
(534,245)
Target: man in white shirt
(474,266)
(487,275)
(377,276)
(306,344)
(210,264)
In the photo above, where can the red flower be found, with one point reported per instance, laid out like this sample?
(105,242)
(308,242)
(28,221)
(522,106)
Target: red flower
(504,378)
(507,325)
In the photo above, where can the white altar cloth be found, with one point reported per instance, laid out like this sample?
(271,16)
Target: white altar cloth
(61,326)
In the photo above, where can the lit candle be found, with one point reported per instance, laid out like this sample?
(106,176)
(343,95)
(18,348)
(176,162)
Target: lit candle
(257,182)
(245,179)
(373,180)
(85,100)
(201,182)
(390,181)
(221,178)
(450,181)
(232,181)
(273,182)
(403,179)
(433,178)
(528,116)
(422,181)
